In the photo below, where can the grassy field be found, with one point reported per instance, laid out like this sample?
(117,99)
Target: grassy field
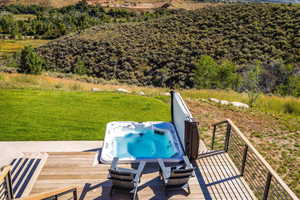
(69,115)
(281,107)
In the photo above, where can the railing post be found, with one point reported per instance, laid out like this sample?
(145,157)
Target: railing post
(213,137)
(75,194)
(227,138)
(244,159)
(8,184)
(267,186)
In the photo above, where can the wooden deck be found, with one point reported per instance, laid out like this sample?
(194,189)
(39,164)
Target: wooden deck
(216,178)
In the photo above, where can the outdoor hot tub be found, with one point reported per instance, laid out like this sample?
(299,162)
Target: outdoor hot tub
(135,141)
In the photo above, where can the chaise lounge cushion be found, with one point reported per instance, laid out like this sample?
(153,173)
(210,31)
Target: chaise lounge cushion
(181,172)
(121,175)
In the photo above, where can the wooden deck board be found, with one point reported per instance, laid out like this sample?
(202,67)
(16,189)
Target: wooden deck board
(216,178)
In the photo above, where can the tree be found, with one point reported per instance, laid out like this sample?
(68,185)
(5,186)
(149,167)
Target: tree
(14,31)
(251,84)
(30,61)
(206,72)
(227,76)
(209,74)
(6,22)
(294,85)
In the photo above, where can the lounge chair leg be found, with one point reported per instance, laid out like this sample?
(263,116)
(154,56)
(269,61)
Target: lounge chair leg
(135,197)
(111,191)
(166,192)
(188,187)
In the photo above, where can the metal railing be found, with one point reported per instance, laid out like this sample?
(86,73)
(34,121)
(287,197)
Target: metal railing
(6,191)
(261,178)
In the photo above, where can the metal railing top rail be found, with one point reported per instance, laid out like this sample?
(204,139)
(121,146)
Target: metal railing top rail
(260,157)
(53,193)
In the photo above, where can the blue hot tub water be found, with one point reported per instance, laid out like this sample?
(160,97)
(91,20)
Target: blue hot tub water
(144,144)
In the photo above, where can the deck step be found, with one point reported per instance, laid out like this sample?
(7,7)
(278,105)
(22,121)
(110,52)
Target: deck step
(25,170)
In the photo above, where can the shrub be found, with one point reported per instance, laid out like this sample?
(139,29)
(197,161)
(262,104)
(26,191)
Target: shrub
(30,61)
(6,23)
(58,85)
(76,87)
(294,85)
(292,107)
(79,67)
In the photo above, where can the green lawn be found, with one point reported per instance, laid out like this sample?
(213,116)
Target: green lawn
(61,115)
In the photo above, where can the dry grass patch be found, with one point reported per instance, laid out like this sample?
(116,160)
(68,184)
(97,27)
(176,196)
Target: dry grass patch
(15,81)
(191,5)
(23,17)
(46,3)
(11,46)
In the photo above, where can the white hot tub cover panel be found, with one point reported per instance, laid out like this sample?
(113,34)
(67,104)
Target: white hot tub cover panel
(181,113)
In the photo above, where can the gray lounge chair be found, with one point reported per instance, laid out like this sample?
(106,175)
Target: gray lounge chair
(176,177)
(125,179)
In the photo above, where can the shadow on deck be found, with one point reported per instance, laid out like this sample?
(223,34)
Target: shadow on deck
(219,178)
(216,178)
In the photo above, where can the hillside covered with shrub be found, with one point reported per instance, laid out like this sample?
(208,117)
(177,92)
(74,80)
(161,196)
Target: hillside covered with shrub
(165,51)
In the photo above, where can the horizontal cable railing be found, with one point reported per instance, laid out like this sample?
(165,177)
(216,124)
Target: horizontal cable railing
(261,178)
(6,192)
(54,194)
